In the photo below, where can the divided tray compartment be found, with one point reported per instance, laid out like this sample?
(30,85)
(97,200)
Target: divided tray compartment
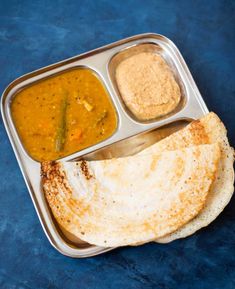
(131,135)
(150,48)
(32,81)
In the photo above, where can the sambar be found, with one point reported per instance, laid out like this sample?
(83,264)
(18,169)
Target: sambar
(63,114)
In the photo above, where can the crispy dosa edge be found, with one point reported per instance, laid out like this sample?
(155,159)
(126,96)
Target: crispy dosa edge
(222,189)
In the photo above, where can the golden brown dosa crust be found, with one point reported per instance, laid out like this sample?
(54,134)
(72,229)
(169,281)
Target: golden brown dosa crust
(96,221)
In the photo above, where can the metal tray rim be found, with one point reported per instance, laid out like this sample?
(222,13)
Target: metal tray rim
(99,250)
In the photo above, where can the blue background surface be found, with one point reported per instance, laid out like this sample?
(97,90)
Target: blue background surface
(34,34)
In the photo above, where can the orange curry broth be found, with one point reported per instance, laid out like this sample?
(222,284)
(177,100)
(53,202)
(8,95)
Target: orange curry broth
(41,117)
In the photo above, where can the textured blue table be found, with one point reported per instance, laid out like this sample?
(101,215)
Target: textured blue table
(37,33)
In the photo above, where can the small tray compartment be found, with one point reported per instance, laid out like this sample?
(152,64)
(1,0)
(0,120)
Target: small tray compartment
(38,92)
(155,49)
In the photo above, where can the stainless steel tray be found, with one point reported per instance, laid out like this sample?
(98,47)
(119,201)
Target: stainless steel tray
(131,135)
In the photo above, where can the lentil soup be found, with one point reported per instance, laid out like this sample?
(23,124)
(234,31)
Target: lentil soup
(63,114)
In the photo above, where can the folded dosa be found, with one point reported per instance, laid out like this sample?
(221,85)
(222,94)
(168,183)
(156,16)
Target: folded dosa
(130,200)
(209,129)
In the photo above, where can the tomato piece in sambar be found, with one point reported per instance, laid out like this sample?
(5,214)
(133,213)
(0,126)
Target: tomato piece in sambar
(63,114)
